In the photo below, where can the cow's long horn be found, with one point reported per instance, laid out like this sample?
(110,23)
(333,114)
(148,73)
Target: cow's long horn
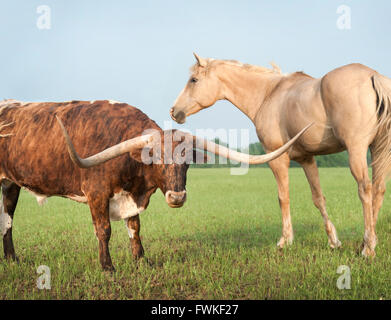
(242,157)
(107,154)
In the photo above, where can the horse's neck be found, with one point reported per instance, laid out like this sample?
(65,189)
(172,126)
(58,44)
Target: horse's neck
(247,89)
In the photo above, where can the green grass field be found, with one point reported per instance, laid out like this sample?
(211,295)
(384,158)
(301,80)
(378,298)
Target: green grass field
(220,245)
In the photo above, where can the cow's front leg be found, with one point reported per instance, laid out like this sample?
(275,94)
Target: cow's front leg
(10,193)
(100,218)
(133,225)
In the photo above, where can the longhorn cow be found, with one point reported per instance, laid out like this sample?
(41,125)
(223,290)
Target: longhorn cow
(34,156)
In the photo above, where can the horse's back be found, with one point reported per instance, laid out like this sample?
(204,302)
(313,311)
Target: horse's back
(341,104)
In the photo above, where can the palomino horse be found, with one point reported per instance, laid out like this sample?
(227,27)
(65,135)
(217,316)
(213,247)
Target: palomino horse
(351,110)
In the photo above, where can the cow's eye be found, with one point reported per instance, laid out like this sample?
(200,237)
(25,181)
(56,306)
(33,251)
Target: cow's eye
(193,80)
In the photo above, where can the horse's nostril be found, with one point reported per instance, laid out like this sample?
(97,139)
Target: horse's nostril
(173,115)
(177,116)
(180,116)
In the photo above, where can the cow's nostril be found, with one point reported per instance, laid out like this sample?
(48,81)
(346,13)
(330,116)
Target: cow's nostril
(175,198)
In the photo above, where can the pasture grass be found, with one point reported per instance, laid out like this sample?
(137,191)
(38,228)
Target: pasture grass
(220,245)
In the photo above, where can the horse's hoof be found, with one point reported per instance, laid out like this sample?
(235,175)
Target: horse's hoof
(367,252)
(335,244)
(284,242)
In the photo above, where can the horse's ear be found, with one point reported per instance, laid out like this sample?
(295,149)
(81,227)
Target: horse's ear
(201,62)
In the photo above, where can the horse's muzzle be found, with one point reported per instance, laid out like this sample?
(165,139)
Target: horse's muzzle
(177,116)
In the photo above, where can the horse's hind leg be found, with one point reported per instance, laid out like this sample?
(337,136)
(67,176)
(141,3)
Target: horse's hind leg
(10,193)
(312,174)
(378,188)
(359,169)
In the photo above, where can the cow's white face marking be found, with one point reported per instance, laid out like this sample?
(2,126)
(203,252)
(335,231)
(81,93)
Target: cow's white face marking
(122,206)
(5,219)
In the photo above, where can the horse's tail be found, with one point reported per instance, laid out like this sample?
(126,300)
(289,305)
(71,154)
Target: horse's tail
(381,151)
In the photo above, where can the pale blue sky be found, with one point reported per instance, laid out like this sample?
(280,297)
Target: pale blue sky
(139,52)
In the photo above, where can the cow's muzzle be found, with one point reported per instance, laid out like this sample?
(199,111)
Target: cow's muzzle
(176,199)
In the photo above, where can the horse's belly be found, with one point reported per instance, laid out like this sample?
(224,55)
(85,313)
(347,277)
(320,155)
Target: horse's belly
(318,142)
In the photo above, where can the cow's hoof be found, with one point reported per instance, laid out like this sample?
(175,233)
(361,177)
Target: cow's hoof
(149,262)
(138,253)
(109,269)
(11,258)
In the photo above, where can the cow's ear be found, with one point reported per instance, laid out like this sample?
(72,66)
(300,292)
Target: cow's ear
(136,154)
(200,157)
(151,152)
(146,155)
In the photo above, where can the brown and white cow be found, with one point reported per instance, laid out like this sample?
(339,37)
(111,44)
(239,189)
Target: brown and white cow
(33,155)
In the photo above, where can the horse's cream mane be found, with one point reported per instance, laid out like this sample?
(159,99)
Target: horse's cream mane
(251,67)
(212,62)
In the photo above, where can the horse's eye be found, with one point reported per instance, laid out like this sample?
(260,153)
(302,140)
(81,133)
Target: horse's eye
(194,80)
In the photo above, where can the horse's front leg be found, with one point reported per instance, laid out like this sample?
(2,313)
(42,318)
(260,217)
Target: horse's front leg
(280,168)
